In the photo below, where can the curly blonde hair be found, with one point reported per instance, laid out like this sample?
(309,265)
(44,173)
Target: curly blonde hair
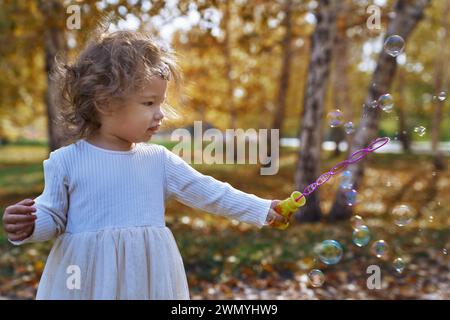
(111,66)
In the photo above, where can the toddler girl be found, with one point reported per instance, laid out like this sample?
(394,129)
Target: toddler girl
(105,192)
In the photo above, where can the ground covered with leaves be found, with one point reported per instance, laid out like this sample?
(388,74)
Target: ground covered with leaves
(225,259)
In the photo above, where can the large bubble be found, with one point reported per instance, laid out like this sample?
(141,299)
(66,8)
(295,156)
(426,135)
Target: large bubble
(330,251)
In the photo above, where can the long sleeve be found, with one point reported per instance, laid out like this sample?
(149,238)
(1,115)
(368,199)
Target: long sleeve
(194,189)
(51,205)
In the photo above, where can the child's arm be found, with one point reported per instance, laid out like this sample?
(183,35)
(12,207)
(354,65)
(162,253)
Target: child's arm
(51,206)
(194,189)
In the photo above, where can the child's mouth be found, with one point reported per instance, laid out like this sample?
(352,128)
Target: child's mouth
(154,129)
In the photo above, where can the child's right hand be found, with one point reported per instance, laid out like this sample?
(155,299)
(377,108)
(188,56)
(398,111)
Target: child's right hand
(18,220)
(273,216)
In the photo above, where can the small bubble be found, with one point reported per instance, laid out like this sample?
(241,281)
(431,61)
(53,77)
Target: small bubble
(373,104)
(399,264)
(420,131)
(346,182)
(444,251)
(392,14)
(386,102)
(357,221)
(347,174)
(442,96)
(394,45)
(403,215)
(349,128)
(380,249)
(350,197)
(335,118)
(316,278)
(361,236)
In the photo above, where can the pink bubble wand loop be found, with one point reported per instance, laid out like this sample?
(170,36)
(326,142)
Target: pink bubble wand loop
(297,199)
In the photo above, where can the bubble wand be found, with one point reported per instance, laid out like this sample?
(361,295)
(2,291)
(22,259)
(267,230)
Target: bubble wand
(298,199)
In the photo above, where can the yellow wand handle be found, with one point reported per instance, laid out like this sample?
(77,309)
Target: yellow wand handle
(287,207)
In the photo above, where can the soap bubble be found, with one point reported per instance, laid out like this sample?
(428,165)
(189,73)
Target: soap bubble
(394,45)
(373,104)
(350,196)
(403,215)
(420,131)
(399,264)
(357,222)
(442,96)
(330,251)
(386,102)
(361,236)
(380,249)
(316,278)
(335,118)
(349,127)
(347,174)
(346,182)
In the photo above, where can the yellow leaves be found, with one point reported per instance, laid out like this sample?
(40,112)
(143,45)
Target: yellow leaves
(39,266)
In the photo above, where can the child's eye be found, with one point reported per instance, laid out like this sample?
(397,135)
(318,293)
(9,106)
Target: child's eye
(148,103)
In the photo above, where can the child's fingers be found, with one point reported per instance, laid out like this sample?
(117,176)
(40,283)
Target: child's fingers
(275,217)
(17,218)
(17,237)
(275,203)
(20,209)
(26,202)
(18,228)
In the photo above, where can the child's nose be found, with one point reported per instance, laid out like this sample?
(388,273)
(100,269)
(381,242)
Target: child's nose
(159,115)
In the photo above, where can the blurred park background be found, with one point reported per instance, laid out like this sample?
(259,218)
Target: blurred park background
(284,65)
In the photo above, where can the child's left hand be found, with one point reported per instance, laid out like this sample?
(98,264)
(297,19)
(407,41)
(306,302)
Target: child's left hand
(274,216)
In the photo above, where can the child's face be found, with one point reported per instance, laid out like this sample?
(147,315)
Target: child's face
(139,115)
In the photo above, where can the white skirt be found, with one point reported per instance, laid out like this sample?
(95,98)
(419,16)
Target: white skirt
(121,263)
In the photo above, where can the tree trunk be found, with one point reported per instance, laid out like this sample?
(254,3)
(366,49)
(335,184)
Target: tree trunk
(308,164)
(227,47)
(339,76)
(285,73)
(407,15)
(441,81)
(228,64)
(285,70)
(55,44)
(403,133)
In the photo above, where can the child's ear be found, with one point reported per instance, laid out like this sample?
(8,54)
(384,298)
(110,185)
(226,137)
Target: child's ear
(103,107)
